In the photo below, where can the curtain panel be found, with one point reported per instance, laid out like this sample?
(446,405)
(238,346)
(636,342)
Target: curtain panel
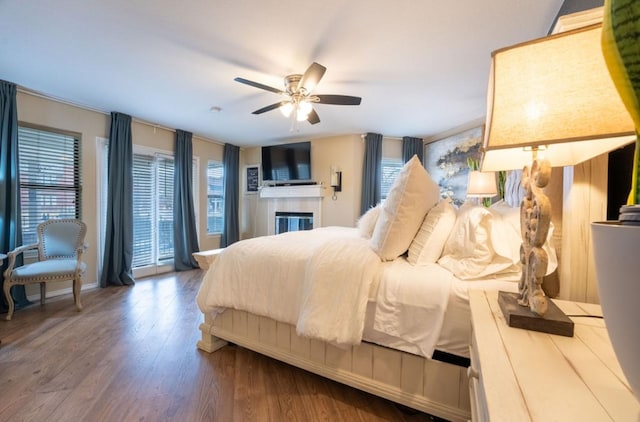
(371,172)
(231,162)
(412,146)
(10,223)
(118,249)
(185,236)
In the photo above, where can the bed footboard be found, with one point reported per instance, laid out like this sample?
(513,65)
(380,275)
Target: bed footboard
(208,342)
(434,387)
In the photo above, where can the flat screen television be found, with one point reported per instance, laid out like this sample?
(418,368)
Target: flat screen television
(287,163)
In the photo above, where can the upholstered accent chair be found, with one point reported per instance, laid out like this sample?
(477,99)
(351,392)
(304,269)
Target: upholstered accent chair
(60,247)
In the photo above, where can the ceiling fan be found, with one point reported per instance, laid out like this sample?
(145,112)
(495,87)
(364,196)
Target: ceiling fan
(298,102)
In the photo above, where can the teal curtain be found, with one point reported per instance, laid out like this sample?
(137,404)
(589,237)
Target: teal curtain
(10,224)
(185,236)
(231,163)
(410,147)
(371,172)
(118,249)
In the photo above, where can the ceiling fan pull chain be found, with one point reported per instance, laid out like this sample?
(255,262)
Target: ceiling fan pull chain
(294,121)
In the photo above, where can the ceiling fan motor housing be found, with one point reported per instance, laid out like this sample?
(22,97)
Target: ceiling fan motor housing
(291,83)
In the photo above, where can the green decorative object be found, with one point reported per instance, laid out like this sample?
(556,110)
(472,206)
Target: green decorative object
(621,49)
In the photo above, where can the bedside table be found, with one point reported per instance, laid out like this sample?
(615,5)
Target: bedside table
(522,375)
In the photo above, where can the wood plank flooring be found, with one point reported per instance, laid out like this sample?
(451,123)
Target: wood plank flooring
(131,355)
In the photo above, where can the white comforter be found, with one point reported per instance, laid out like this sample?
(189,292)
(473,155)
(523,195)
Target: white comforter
(321,280)
(410,305)
(337,269)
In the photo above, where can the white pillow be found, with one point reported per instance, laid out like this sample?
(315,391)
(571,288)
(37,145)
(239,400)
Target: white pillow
(511,219)
(470,251)
(367,222)
(513,190)
(413,193)
(429,242)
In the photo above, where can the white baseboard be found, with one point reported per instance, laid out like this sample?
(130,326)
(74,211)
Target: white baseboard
(60,292)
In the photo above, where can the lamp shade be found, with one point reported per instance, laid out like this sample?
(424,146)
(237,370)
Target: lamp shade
(482,184)
(554,93)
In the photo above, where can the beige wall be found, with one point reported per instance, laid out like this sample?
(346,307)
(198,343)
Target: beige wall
(90,125)
(344,152)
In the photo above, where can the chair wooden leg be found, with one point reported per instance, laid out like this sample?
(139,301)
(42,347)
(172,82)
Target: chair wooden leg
(43,293)
(77,285)
(7,294)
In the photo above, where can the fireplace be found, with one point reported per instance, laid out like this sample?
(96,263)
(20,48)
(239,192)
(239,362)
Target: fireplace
(293,221)
(302,205)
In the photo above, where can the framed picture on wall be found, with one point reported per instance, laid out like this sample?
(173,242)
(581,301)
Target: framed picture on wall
(252,178)
(446,162)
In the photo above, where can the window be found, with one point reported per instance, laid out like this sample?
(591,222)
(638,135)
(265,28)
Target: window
(152,209)
(165,207)
(152,205)
(49,178)
(390,169)
(215,197)
(143,210)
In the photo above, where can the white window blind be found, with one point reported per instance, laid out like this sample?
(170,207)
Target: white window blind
(215,197)
(153,184)
(143,210)
(50,178)
(390,169)
(165,207)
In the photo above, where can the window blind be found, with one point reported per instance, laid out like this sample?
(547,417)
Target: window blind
(143,210)
(50,178)
(215,197)
(165,207)
(390,169)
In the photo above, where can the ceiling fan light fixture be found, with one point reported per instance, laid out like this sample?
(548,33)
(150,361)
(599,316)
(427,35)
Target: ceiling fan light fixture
(303,110)
(286,109)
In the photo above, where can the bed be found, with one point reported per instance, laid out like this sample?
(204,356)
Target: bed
(382,307)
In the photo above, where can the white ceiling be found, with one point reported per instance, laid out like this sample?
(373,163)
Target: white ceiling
(420,66)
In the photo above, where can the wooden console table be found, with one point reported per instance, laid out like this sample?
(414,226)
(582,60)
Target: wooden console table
(522,375)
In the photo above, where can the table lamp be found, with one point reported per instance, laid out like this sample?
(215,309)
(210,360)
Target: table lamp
(482,184)
(550,102)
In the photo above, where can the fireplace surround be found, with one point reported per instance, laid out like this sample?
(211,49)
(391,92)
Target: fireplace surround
(305,199)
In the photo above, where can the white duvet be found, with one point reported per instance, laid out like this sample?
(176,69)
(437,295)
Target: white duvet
(321,281)
(411,304)
(317,280)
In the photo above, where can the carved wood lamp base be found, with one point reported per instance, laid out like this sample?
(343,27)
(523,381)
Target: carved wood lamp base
(553,322)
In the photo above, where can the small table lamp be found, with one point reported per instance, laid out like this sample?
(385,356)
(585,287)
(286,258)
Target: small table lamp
(554,97)
(482,184)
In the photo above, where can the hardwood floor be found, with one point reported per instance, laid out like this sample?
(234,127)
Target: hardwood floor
(130,355)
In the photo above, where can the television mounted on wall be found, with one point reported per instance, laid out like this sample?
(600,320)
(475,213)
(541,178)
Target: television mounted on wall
(287,163)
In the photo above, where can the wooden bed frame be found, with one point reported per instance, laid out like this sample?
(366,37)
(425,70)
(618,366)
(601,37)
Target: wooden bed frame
(438,388)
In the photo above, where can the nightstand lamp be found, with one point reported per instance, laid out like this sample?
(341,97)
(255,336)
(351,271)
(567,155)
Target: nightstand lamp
(551,100)
(482,184)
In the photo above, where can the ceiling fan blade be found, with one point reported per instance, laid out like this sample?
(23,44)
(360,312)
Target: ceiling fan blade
(312,76)
(259,85)
(270,107)
(313,117)
(338,99)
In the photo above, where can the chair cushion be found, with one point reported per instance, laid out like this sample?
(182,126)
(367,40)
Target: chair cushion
(57,247)
(50,268)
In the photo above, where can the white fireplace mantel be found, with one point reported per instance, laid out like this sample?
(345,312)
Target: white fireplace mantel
(304,198)
(302,191)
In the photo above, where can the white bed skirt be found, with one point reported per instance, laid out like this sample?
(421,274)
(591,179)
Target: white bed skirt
(431,386)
